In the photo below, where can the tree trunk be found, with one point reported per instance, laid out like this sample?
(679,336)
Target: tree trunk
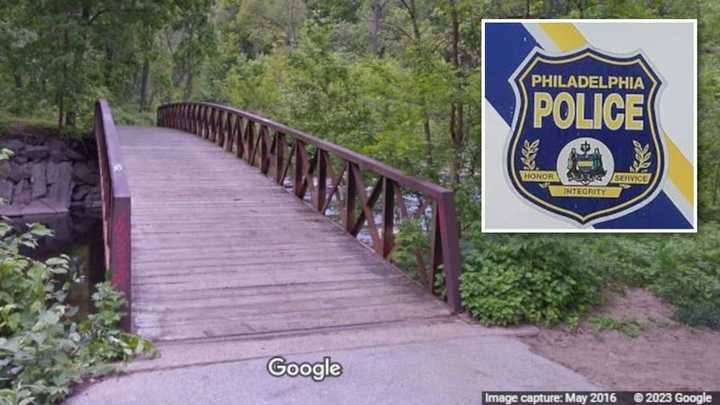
(151,100)
(377,11)
(68,109)
(144,83)
(70,118)
(61,110)
(412,10)
(63,85)
(716,191)
(109,63)
(455,159)
(187,94)
(457,122)
(428,142)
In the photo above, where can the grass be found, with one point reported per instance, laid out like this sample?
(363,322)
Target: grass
(10,120)
(129,116)
(629,327)
(45,122)
(42,121)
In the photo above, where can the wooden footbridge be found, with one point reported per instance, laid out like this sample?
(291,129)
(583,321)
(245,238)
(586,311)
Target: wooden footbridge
(221,223)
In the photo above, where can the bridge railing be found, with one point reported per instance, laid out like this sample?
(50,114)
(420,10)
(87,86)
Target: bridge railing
(115,204)
(333,180)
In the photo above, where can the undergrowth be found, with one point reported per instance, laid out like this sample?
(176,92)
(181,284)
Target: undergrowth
(509,279)
(43,122)
(630,327)
(45,349)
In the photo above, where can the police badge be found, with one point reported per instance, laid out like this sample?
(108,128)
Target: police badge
(585,139)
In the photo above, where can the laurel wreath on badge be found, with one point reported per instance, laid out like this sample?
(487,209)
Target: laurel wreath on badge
(642,158)
(641,162)
(529,152)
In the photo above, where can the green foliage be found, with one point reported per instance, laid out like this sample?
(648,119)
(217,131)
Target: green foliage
(688,276)
(124,116)
(629,327)
(44,349)
(624,260)
(682,269)
(469,206)
(385,108)
(38,122)
(35,120)
(249,20)
(510,279)
(513,279)
(58,57)
(411,252)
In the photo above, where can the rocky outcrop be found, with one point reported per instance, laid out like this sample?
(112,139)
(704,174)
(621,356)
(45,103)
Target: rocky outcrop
(47,175)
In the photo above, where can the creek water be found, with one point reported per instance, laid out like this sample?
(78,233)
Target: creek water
(78,234)
(334,211)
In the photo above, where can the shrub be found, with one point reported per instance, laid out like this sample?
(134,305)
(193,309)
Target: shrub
(124,115)
(684,270)
(621,261)
(688,276)
(44,350)
(411,239)
(630,327)
(512,279)
(538,278)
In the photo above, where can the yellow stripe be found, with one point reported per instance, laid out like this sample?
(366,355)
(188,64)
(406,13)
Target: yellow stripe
(565,35)
(680,170)
(567,38)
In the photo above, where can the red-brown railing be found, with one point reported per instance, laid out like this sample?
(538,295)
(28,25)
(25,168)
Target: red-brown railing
(115,205)
(324,170)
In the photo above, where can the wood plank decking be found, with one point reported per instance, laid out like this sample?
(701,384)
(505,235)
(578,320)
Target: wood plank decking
(219,250)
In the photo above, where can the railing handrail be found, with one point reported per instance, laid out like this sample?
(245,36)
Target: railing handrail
(432,189)
(119,179)
(116,205)
(214,122)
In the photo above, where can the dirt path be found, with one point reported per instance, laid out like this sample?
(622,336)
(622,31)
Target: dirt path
(665,355)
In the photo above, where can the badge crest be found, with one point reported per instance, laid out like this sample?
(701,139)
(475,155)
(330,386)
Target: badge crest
(586,143)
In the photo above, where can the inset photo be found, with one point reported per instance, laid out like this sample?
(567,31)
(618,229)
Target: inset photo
(589,125)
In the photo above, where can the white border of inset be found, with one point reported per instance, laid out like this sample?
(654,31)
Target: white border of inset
(484,106)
